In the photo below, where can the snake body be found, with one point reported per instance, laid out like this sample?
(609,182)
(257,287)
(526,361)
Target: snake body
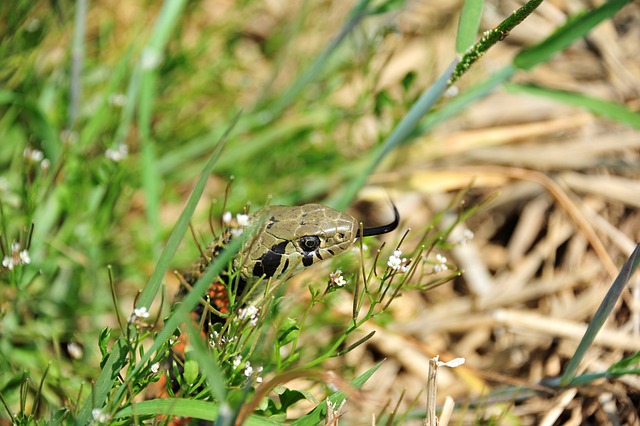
(283,238)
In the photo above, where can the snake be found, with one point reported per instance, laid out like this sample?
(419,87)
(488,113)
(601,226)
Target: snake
(283,239)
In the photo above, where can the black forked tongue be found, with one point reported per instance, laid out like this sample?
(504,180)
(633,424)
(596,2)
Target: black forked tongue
(378,230)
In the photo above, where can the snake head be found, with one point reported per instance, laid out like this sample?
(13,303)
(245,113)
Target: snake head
(300,235)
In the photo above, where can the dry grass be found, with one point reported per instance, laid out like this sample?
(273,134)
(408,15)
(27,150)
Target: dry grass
(564,219)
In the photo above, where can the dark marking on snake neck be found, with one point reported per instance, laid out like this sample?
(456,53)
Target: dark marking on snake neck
(268,263)
(307,260)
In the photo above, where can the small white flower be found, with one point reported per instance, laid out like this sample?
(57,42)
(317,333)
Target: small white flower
(398,263)
(17,257)
(440,267)
(237,360)
(150,58)
(99,416)
(24,257)
(243,219)
(251,313)
(467,235)
(118,154)
(155,367)
(75,350)
(336,279)
(441,264)
(34,155)
(451,92)
(248,369)
(213,338)
(117,99)
(141,312)
(96,412)
(7,262)
(236,232)
(226,217)
(45,164)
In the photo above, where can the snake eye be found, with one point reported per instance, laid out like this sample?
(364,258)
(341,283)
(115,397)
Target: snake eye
(309,242)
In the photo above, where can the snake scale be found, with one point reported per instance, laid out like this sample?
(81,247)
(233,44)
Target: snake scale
(284,238)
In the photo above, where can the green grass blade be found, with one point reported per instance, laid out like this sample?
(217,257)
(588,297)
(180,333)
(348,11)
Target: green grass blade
(39,124)
(151,289)
(493,36)
(400,134)
(95,124)
(77,61)
(117,359)
(208,365)
(204,410)
(601,315)
(148,66)
(181,314)
(466,99)
(577,27)
(150,175)
(292,93)
(469,24)
(608,109)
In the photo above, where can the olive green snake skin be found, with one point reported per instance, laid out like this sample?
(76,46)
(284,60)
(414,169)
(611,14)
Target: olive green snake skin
(284,239)
(280,240)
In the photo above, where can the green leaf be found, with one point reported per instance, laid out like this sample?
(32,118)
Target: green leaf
(608,109)
(190,371)
(117,359)
(387,6)
(408,80)
(601,315)
(290,397)
(103,340)
(469,24)
(625,363)
(208,362)
(574,29)
(204,410)
(288,331)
